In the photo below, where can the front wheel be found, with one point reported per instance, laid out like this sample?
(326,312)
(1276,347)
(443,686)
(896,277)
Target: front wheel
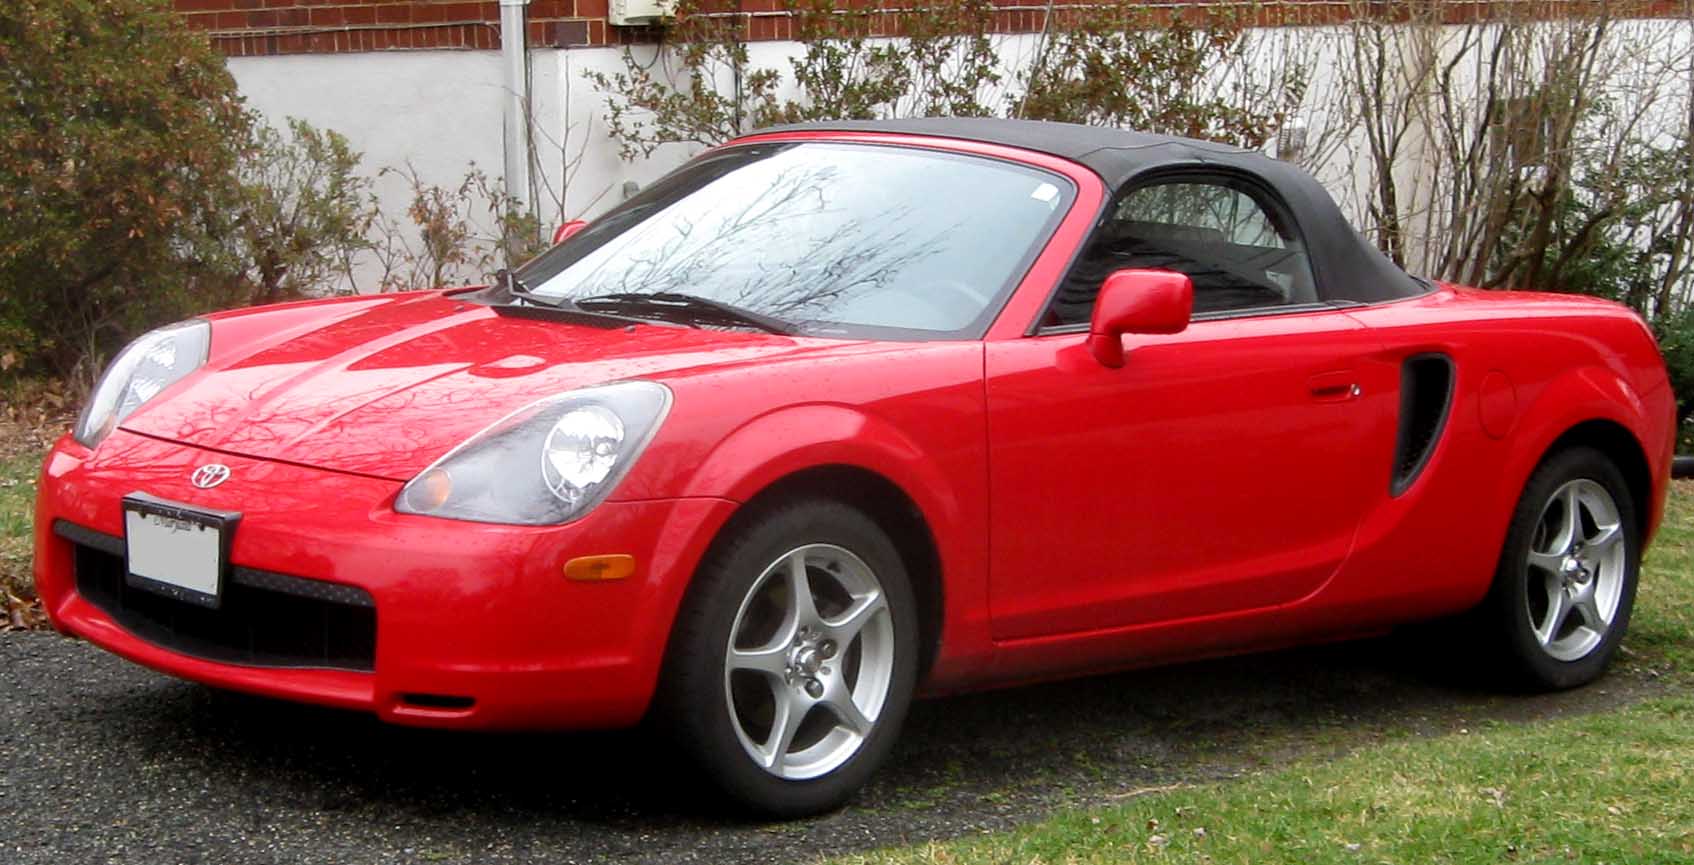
(1565,586)
(794,658)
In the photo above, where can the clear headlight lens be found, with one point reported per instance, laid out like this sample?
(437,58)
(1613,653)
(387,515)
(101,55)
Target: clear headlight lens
(145,367)
(546,463)
(581,451)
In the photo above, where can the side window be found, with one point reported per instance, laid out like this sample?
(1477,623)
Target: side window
(1239,252)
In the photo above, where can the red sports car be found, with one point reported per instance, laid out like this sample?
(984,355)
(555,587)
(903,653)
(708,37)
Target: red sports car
(838,414)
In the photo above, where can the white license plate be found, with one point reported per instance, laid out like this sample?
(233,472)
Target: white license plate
(176,551)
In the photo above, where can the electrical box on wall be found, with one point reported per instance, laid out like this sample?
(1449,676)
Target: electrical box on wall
(634,13)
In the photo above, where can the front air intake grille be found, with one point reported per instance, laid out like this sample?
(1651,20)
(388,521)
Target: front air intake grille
(1426,395)
(265,619)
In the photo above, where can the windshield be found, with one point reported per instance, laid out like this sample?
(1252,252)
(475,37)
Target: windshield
(831,239)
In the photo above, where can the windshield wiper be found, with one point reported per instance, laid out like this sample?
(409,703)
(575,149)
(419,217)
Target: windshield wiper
(687,308)
(516,290)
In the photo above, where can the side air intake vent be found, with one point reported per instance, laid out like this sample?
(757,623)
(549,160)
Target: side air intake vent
(1426,393)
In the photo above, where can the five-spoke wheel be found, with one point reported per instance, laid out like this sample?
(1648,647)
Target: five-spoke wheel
(1562,596)
(809,661)
(1578,554)
(794,657)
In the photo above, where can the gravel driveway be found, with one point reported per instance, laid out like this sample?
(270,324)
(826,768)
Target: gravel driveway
(102,761)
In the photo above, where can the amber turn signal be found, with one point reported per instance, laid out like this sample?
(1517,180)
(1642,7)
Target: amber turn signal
(430,491)
(599,568)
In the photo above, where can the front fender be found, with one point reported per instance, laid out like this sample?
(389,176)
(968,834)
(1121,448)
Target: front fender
(774,445)
(950,494)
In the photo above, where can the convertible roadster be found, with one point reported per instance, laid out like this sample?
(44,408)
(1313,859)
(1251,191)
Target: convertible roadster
(839,414)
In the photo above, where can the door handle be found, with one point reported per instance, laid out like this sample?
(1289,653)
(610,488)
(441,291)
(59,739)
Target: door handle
(1338,386)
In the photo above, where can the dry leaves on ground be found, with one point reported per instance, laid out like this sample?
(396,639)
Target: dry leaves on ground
(33,412)
(21,614)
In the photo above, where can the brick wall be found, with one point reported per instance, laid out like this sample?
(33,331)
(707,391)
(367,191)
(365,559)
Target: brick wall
(261,27)
(243,28)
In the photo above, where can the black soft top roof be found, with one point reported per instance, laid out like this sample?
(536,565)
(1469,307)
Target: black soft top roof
(1345,266)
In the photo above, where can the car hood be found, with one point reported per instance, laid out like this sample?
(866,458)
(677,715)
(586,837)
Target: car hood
(386,389)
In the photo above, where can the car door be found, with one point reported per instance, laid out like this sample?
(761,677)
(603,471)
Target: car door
(1218,470)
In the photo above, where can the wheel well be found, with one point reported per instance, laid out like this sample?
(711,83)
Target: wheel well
(1616,442)
(895,512)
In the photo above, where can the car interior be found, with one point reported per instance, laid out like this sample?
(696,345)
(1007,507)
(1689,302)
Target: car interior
(1238,255)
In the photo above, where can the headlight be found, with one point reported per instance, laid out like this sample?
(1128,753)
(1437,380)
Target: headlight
(546,463)
(147,366)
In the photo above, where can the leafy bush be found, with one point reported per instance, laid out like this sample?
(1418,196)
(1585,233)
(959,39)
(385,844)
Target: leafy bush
(302,215)
(944,64)
(1535,145)
(1676,342)
(1159,70)
(940,66)
(136,189)
(121,134)
(442,243)
(1119,64)
(645,111)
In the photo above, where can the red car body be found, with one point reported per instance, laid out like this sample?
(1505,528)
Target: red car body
(1228,494)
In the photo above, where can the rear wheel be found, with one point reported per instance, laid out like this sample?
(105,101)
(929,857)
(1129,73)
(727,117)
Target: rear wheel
(794,659)
(1565,586)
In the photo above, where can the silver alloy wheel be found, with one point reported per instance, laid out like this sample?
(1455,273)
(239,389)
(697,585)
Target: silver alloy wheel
(1577,558)
(809,661)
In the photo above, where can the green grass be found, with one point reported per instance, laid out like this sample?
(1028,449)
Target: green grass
(1612,787)
(17,512)
(1616,786)
(1663,626)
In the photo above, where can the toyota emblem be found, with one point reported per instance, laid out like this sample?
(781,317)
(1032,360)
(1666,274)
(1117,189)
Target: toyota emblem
(209,475)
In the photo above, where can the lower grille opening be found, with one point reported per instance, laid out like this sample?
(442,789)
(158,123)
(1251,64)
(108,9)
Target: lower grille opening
(255,625)
(437,701)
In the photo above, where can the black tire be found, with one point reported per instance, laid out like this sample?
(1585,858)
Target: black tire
(1505,619)
(693,701)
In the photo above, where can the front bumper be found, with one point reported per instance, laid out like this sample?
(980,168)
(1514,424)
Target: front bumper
(475,625)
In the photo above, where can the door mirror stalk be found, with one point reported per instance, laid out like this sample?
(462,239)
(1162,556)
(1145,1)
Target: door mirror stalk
(1137,301)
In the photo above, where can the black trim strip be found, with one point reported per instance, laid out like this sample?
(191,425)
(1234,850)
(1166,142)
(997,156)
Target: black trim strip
(1219,315)
(571,315)
(108,544)
(287,584)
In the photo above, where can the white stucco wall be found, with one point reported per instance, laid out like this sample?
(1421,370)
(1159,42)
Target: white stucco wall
(440,112)
(436,110)
(595,183)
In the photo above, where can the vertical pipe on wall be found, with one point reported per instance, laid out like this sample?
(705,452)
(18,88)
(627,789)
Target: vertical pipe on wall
(515,63)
